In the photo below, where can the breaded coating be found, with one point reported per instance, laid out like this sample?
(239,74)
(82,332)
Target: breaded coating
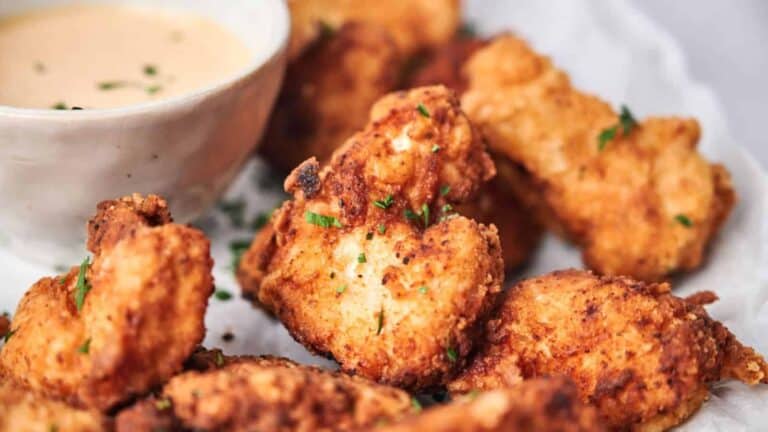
(124,325)
(445,64)
(539,405)
(266,394)
(369,264)
(642,356)
(415,25)
(5,325)
(639,199)
(328,92)
(22,411)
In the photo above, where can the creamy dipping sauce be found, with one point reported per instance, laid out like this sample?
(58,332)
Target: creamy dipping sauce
(90,56)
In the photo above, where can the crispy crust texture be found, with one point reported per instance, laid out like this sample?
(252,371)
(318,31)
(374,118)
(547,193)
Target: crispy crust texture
(141,318)
(328,92)
(642,356)
(643,204)
(266,393)
(415,25)
(533,406)
(22,411)
(407,314)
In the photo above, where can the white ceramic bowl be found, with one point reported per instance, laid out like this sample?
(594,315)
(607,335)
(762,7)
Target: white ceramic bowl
(56,165)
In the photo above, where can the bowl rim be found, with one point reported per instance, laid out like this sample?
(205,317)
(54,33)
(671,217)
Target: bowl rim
(276,45)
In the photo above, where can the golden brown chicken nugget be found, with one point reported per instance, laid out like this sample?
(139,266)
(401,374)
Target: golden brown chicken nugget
(538,405)
(642,356)
(637,196)
(368,263)
(445,64)
(22,411)
(270,394)
(328,92)
(114,329)
(415,25)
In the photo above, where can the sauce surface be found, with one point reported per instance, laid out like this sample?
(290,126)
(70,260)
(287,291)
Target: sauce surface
(89,56)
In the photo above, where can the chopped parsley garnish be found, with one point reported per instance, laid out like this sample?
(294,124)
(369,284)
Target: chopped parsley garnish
(63,280)
(382,228)
(435,148)
(261,220)
(162,404)
(222,294)
(381,322)
(150,70)
(369,236)
(322,220)
(410,215)
(59,106)
(85,348)
(82,286)
(415,404)
(341,289)
(111,85)
(8,335)
(451,353)
(423,289)
(219,360)
(444,190)
(361,258)
(425,214)
(384,203)
(422,110)
(238,248)
(153,89)
(684,220)
(625,125)
(235,211)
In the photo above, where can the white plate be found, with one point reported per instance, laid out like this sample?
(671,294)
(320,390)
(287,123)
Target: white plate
(609,48)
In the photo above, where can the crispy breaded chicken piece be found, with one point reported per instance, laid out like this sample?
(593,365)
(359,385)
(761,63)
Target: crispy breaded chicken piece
(101,334)
(640,202)
(22,411)
(328,92)
(366,264)
(539,405)
(496,203)
(269,394)
(415,25)
(642,356)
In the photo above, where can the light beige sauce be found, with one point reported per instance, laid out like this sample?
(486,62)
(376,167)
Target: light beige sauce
(93,56)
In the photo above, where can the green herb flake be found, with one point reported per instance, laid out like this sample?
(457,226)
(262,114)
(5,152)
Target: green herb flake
(261,220)
(382,228)
(162,404)
(626,125)
(235,211)
(341,288)
(82,286)
(445,190)
(425,214)
(63,280)
(684,220)
(219,359)
(410,215)
(322,220)
(369,236)
(605,136)
(415,405)
(381,321)
(361,258)
(447,208)
(222,295)
(435,148)
(153,89)
(422,110)
(238,248)
(85,348)
(452,355)
(384,203)
(8,335)
(59,106)
(150,70)
(111,85)
(423,289)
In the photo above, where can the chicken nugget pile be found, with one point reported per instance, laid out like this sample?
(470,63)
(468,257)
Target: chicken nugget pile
(424,164)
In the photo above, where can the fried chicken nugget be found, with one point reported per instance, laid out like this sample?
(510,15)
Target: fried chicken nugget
(269,394)
(642,356)
(539,405)
(328,92)
(22,411)
(637,197)
(99,335)
(368,264)
(414,24)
